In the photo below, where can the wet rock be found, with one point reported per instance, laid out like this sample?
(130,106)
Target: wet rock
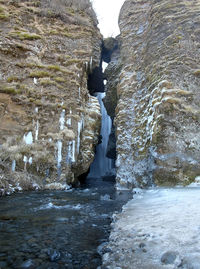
(3,264)
(169,257)
(27,264)
(142,245)
(53,254)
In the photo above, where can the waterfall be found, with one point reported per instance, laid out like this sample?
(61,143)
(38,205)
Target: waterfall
(102,165)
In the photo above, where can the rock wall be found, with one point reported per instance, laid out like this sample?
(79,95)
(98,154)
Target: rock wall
(158,108)
(49,124)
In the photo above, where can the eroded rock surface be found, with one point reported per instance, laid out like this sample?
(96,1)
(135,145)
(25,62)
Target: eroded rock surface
(158,112)
(49,124)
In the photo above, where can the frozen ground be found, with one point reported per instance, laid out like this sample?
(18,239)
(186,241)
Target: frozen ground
(159,228)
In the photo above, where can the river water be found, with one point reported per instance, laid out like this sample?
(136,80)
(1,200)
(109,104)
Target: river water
(62,229)
(57,229)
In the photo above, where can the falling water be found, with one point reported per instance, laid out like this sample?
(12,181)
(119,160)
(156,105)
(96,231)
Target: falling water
(102,165)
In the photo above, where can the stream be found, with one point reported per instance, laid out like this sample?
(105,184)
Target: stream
(58,229)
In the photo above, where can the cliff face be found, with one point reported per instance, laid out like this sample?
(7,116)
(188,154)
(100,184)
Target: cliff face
(49,124)
(158,109)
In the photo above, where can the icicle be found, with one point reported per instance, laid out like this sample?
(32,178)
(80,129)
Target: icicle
(69,120)
(25,161)
(91,63)
(69,154)
(36,110)
(78,137)
(73,150)
(79,92)
(36,130)
(62,120)
(83,122)
(86,66)
(28,138)
(59,158)
(13,165)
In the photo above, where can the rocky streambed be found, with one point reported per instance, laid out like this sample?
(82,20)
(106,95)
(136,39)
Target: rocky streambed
(57,229)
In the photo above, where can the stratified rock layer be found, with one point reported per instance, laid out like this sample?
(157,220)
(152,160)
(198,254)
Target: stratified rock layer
(49,124)
(158,111)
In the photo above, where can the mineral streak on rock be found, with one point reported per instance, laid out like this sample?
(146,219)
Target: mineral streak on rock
(158,107)
(47,49)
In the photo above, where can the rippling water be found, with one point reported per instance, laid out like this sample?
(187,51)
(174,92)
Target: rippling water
(57,229)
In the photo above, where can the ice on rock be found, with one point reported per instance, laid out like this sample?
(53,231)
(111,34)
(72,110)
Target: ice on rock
(91,61)
(30,160)
(73,151)
(37,130)
(28,138)
(13,165)
(59,156)
(69,154)
(78,136)
(62,120)
(35,81)
(69,120)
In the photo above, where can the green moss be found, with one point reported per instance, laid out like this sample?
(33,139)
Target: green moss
(72,61)
(3,16)
(9,90)
(39,74)
(54,67)
(197,73)
(12,79)
(25,35)
(59,79)
(38,102)
(31,65)
(47,82)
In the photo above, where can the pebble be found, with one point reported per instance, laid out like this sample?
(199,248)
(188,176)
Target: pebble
(27,264)
(169,257)
(54,255)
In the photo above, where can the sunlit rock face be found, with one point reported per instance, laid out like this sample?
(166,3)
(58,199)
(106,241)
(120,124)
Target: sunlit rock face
(49,124)
(158,108)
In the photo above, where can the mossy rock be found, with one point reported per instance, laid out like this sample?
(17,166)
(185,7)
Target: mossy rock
(9,90)
(197,73)
(39,74)
(60,79)
(25,35)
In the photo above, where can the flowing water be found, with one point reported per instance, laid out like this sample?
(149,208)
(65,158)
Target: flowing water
(57,229)
(102,165)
